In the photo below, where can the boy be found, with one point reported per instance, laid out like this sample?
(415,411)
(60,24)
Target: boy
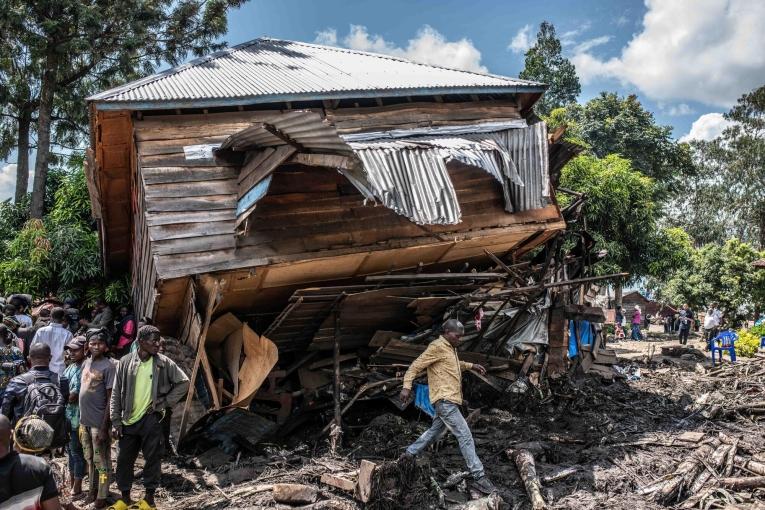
(73,373)
(95,393)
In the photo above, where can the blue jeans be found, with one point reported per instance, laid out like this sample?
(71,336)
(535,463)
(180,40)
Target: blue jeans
(636,334)
(76,456)
(449,417)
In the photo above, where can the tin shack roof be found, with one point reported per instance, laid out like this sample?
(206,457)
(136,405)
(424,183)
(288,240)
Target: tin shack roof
(268,70)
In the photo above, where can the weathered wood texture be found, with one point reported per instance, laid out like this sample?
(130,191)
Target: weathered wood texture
(313,225)
(114,156)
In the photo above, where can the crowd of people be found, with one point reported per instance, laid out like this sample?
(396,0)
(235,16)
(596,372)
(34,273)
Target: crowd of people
(681,322)
(72,384)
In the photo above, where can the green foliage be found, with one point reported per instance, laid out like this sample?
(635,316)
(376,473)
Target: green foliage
(758,330)
(117,292)
(59,254)
(620,212)
(748,343)
(728,198)
(545,63)
(613,124)
(719,273)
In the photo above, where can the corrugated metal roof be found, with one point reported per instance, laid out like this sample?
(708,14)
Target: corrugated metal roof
(268,70)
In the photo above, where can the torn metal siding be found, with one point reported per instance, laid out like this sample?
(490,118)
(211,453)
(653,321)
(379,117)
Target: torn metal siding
(412,182)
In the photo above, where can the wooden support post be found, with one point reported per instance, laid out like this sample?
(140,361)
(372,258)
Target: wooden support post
(337,428)
(201,358)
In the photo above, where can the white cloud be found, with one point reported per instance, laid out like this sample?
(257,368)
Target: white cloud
(8,180)
(621,20)
(707,127)
(676,110)
(709,51)
(428,46)
(589,44)
(327,36)
(521,41)
(569,38)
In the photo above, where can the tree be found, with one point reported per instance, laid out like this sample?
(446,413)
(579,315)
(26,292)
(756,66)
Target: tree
(620,211)
(728,198)
(612,124)
(85,45)
(721,273)
(545,63)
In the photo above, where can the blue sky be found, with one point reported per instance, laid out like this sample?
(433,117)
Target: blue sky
(687,60)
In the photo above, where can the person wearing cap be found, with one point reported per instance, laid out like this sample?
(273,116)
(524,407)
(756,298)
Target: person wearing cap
(55,336)
(147,383)
(76,353)
(26,480)
(11,359)
(96,385)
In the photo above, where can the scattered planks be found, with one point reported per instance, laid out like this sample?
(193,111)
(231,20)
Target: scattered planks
(358,482)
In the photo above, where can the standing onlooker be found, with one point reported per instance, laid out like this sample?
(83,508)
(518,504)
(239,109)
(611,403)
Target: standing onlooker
(11,359)
(126,329)
(72,320)
(25,476)
(55,336)
(619,322)
(43,318)
(712,322)
(97,380)
(103,317)
(147,383)
(41,392)
(686,319)
(21,306)
(636,320)
(73,373)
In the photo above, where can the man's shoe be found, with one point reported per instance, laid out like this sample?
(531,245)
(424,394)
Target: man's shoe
(405,458)
(484,485)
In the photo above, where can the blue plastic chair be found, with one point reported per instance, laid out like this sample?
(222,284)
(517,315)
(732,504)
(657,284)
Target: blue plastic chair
(762,342)
(727,341)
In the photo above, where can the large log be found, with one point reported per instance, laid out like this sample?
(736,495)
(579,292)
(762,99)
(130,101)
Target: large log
(524,462)
(749,482)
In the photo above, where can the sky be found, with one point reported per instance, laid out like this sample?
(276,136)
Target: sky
(688,61)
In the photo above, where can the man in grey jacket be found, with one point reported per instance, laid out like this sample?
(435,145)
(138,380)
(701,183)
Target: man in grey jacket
(146,384)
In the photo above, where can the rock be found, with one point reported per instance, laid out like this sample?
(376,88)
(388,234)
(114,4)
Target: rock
(294,493)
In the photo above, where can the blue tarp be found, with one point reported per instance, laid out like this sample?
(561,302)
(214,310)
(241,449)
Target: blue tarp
(581,330)
(422,399)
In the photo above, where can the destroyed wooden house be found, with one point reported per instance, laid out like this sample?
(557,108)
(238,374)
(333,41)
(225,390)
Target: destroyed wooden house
(265,184)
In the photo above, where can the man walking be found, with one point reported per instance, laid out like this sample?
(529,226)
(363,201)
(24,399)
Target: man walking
(686,318)
(55,336)
(445,387)
(146,384)
(97,380)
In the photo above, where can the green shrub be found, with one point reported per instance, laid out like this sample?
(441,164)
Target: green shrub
(748,343)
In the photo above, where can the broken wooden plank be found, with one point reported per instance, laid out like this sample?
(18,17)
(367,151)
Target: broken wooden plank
(294,493)
(435,276)
(345,484)
(364,487)
(524,462)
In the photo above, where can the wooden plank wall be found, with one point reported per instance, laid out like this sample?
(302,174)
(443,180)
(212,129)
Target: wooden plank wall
(186,209)
(113,153)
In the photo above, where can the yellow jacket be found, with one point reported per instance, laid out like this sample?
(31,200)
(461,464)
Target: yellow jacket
(444,371)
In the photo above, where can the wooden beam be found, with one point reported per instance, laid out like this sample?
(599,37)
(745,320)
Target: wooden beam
(435,276)
(281,135)
(201,354)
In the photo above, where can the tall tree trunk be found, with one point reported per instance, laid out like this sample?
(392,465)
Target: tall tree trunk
(618,293)
(22,162)
(47,90)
